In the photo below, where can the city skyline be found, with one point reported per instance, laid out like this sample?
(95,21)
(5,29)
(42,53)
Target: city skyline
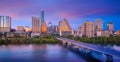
(76,12)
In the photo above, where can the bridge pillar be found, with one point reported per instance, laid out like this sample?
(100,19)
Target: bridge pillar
(76,48)
(64,43)
(69,45)
(109,58)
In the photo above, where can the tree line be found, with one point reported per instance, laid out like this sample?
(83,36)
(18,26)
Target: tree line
(35,40)
(111,40)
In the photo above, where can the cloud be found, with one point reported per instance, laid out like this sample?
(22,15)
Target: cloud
(56,9)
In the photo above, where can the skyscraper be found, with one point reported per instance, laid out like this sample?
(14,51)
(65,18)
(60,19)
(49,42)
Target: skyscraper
(35,26)
(42,17)
(87,29)
(64,27)
(110,26)
(5,23)
(50,27)
(44,28)
(98,26)
(79,32)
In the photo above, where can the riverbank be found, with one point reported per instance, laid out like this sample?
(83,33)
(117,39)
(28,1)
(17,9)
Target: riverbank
(112,40)
(34,40)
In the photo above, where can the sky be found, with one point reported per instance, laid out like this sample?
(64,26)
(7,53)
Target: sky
(75,11)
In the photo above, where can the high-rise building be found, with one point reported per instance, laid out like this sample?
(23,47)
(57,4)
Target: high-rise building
(5,23)
(42,17)
(110,26)
(79,32)
(87,29)
(49,27)
(64,27)
(98,27)
(44,28)
(35,26)
(55,29)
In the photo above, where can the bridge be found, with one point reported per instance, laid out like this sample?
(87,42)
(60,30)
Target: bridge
(108,52)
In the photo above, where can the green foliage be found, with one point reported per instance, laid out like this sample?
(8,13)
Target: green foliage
(35,40)
(112,40)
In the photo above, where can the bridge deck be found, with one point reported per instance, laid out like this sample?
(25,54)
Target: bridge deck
(101,49)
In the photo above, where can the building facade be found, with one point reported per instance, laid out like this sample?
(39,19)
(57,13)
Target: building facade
(79,32)
(87,29)
(35,26)
(64,26)
(44,28)
(98,27)
(42,17)
(20,28)
(5,23)
(117,32)
(50,27)
(110,26)
(55,29)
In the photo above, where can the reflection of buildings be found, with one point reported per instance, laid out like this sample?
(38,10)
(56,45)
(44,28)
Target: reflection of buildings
(5,23)
(64,28)
(87,29)
(35,26)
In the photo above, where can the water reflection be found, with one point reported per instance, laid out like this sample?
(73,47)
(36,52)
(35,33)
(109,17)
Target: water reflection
(37,53)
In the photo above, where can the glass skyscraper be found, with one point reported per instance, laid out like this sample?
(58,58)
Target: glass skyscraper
(42,17)
(5,23)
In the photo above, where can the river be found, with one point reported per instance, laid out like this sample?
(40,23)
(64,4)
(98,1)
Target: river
(38,53)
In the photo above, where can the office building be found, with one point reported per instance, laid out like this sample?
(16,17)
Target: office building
(87,29)
(44,28)
(79,32)
(55,29)
(35,26)
(42,17)
(50,27)
(64,27)
(98,26)
(5,23)
(110,26)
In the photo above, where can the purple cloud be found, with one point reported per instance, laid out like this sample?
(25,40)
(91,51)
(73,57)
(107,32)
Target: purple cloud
(56,9)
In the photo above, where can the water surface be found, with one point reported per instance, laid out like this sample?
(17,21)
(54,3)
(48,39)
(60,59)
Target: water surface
(37,53)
